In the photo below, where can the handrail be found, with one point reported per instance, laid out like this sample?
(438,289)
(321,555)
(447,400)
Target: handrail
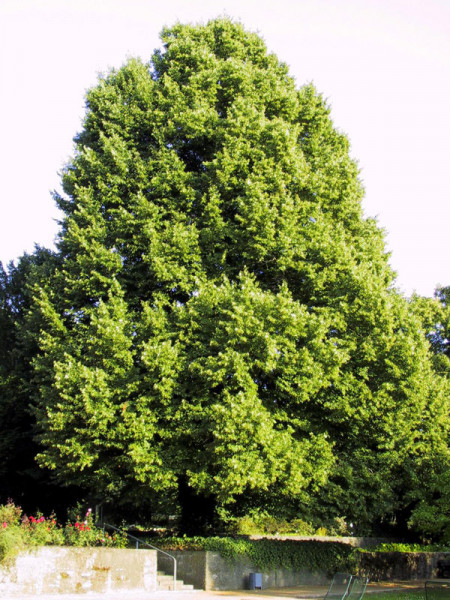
(138,541)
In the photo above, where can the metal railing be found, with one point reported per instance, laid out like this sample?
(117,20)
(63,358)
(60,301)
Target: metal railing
(138,541)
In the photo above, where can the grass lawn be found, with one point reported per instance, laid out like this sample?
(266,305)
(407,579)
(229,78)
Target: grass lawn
(397,595)
(435,593)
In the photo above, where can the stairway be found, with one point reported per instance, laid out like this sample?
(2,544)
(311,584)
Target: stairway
(165,583)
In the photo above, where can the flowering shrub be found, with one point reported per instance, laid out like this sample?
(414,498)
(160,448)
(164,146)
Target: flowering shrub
(41,531)
(85,533)
(10,514)
(19,531)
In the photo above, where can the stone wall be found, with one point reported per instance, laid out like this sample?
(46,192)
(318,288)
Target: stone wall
(209,571)
(68,570)
(79,570)
(191,567)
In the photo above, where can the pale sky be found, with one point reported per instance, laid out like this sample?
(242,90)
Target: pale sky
(383,65)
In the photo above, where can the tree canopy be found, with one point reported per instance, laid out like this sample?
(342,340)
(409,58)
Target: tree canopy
(223,323)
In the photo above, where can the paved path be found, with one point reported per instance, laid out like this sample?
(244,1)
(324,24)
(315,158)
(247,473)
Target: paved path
(292,593)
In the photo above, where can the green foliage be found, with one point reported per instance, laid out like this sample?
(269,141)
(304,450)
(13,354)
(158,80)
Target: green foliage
(12,538)
(83,532)
(431,516)
(263,523)
(273,554)
(397,547)
(19,474)
(10,514)
(339,527)
(42,531)
(12,541)
(219,323)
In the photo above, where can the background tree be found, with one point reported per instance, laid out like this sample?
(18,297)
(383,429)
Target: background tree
(16,447)
(20,477)
(430,495)
(222,325)
(434,315)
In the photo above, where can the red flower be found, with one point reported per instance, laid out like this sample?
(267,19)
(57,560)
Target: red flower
(4,525)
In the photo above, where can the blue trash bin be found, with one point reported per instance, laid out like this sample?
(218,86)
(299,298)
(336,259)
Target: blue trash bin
(255,581)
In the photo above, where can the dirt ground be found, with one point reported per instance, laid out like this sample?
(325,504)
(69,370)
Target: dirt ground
(292,593)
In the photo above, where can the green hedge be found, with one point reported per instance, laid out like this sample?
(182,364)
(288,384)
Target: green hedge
(272,554)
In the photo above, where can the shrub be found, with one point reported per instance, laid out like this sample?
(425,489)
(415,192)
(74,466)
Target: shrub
(18,532)
(41,531)
(338,527)
(85,533)
(12,541)
(12,538)
(10,513)
(262,523)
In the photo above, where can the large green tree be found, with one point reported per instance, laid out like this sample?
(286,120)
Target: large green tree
(223,325)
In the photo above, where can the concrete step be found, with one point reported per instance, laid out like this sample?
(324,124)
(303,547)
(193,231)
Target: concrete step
(165,583)
(181,587)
